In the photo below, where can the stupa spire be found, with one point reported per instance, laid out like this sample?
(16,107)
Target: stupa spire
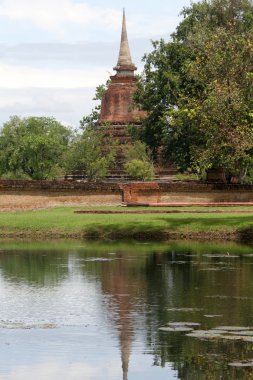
(125,60)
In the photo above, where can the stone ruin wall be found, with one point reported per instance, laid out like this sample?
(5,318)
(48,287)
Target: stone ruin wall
(42,194)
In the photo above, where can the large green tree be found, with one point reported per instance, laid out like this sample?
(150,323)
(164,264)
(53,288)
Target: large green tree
(92,153)
(33,147)
(198,88)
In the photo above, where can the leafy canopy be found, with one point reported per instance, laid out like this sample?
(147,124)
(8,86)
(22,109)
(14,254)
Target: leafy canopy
(33,147)
(92,153)
(198,88)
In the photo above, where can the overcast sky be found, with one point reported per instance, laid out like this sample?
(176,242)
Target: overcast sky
(53,53)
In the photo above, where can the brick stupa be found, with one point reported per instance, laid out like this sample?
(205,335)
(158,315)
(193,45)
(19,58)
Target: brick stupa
(117,103)
(117,108)
(119,111)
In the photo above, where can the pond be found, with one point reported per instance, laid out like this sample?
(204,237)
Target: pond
(71,310)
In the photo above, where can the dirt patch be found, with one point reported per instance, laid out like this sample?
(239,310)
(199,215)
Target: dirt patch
(23,202)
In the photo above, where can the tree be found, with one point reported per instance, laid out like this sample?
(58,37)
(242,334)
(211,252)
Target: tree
(92,153)
(198,88)
(33,147)
(92,119)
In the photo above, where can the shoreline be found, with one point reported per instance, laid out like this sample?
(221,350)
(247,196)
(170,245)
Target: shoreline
(156,236)
(109,225)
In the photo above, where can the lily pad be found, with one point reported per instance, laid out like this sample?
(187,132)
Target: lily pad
(191,324)
(247,338)
(232,328)
(209,334)
(204,334)
(242,333)
(176,329)
(244,363)
(232,337)
(225,333)
(100,259)
(227,255)
(214,331)
(242,298)
(184,309)
(213,315)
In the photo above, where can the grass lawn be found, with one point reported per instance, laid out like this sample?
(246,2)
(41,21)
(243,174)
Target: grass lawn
(64,221)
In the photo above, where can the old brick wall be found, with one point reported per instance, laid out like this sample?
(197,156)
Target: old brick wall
(184,192)
(196,192)
(141,192)
(31,195)
(50,193)
(60,186)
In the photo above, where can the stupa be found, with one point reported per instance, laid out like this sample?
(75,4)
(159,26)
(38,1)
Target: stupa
(118,110)
(117,106)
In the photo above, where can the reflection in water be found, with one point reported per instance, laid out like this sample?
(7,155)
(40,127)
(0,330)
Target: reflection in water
(118,286)
(67,312)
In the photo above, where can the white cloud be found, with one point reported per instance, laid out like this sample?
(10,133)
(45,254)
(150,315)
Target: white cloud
(24,76)
(53,14)
(68,105)
(45,100)
(60,370)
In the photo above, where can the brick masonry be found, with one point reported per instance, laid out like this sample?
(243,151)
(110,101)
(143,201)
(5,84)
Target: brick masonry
(60,186)
(186,192)
(117,103)
(104,193)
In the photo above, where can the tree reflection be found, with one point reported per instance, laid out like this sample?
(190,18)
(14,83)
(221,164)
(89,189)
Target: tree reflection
(37,268)
(144,290)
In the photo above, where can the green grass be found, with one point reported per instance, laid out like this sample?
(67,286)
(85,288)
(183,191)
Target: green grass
(64,221)
(102,247)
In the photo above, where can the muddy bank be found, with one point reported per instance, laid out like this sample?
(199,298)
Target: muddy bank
(161,236)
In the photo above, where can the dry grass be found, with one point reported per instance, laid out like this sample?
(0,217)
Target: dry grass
(23,202)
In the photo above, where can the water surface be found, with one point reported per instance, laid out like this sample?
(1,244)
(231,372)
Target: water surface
(89,311)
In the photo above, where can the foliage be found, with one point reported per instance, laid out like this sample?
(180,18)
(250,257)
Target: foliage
(92,153)
(32,147)
(18,174)
(140,170)
(92,119)
(248,175)
(138,150)
(198,89)
(186,177)
(138,162)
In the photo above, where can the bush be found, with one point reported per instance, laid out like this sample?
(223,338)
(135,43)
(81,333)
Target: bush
(187,177)
(140,170)
(18,174)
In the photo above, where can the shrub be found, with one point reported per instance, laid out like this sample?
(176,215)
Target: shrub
(140,170)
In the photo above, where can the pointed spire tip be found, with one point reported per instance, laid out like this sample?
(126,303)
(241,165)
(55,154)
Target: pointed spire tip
(124,53)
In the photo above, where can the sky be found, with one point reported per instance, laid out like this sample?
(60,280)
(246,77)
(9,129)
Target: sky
(54,53)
